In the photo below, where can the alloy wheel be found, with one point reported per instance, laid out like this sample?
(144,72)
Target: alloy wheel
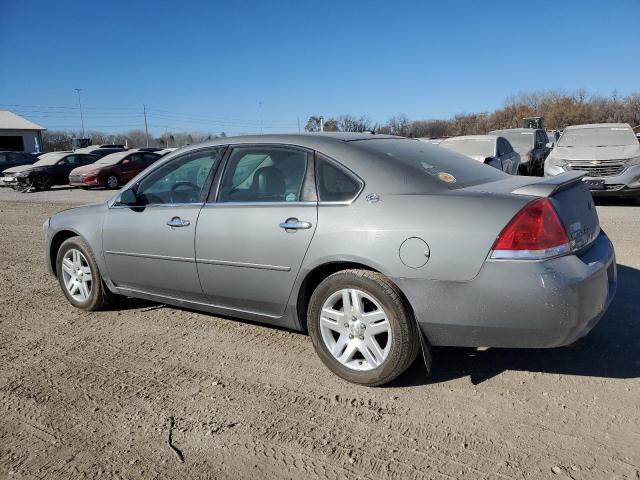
(355,329)
(77,276)
(112,181)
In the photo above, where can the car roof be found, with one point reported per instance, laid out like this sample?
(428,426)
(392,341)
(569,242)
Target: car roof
(599,125)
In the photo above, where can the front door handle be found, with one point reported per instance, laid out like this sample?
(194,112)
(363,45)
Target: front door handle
(178,222)
(293,224)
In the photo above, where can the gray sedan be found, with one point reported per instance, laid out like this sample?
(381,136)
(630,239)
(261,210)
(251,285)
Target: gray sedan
(378,246)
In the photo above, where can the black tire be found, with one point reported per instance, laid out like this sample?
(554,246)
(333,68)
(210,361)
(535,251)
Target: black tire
(99,295)
(42,183)
(405,342)
(108,182)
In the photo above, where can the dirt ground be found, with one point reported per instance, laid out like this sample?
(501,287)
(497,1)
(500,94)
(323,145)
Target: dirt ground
(97,395)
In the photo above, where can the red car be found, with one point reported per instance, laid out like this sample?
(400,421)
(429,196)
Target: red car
(113,170)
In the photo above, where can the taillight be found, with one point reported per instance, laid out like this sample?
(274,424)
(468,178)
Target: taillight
(535,233)
(89,179)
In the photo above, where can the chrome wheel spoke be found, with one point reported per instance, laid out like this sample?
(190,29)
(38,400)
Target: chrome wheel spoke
(356,302)
(374,316)
(67,266)
(84,289)
(372,351)
(348,353)
(340,345)
(379,327)
(334,325)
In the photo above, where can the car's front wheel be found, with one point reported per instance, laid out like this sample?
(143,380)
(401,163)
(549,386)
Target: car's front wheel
(112,182)
(361,327)
(79,276)
(42,183)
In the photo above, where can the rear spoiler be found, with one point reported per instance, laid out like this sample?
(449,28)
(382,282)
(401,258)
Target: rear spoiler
(545,187)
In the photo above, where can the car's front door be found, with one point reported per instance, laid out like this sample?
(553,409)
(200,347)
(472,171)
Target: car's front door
(149,245)
(251,239)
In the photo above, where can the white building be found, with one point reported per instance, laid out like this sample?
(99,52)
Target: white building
(19,134)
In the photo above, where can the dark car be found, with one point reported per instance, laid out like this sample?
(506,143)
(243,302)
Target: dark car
(102,150)
(531,144)
(51,169)
(9,159)
(113,170)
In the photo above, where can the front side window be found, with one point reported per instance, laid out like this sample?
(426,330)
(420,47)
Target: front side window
(334,184)
(182,180)
(264,174)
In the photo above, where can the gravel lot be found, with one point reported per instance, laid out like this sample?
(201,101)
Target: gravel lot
(97,394)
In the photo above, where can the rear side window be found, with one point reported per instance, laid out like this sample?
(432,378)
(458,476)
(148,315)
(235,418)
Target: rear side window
(335,184)
(440,166)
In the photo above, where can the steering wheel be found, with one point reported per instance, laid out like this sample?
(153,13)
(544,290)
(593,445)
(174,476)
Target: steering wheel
(180,190)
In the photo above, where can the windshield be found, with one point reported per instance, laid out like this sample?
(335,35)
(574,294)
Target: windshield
(448,169)
(518,139)
(597,137)
(481,147)
(50,158)
(112,159)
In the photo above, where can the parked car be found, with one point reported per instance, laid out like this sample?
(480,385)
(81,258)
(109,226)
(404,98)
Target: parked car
(553,137)
(113,170)
(377,245)
(10,159)
(102,150)
(494,151)
(51,169)
(531,144)
(608,153)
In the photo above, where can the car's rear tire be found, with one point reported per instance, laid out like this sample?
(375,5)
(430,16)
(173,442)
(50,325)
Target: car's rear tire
(79,276)
(112,182)
(371,341)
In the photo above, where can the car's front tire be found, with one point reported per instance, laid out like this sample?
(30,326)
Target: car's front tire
(112,182)
(361,327)
(42,183)
(79,276)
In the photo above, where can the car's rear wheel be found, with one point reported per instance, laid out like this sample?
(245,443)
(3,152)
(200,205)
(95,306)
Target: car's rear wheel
(361,327)
(79,276)
(112,182)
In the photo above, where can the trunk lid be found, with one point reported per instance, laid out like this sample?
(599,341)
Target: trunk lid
(569,195)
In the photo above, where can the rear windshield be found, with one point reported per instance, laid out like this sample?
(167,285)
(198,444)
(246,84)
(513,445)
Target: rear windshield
(449,169)
(482,147)
(597,137)
(113,158)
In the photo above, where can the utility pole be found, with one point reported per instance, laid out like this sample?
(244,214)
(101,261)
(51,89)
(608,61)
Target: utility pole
(146,129)
(80,103)
(260,107)
(321,123)
(298,124)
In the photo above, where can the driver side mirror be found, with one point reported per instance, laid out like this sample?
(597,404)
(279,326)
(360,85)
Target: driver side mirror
(550,145)
(126,161)
(128,197)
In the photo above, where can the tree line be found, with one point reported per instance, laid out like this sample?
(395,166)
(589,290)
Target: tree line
(559,109)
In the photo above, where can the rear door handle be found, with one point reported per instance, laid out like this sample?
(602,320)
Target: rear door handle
(178,222)
(292,224)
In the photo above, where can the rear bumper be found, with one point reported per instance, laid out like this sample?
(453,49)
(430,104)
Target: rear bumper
(84,182)
(519,304)
(625,184)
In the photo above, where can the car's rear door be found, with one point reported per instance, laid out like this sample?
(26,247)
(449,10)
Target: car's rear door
(254,231)
(149,247)
(130,167)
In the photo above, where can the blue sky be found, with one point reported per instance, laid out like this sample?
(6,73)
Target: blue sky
(207,65)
